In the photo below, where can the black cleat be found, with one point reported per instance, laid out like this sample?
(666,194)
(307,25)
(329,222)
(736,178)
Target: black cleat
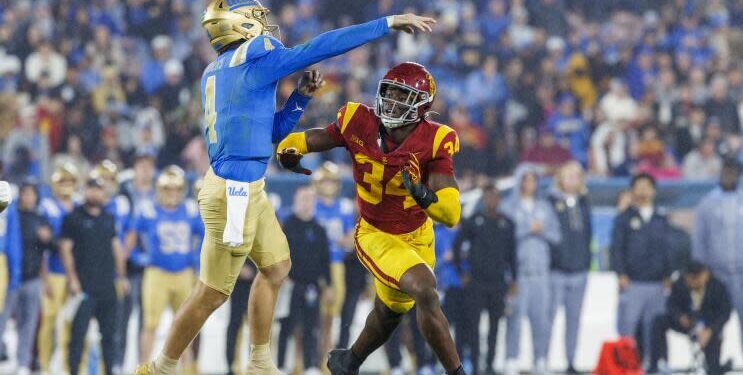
(337,360)
(571,370)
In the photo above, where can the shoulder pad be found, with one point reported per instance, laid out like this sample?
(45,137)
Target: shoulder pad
(192,208)
(254,48)
(147,210)
(347,113)
(123,207)
(443,132)
(346,206)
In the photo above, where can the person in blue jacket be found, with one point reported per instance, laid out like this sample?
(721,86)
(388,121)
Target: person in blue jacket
(238,91)
(640,255)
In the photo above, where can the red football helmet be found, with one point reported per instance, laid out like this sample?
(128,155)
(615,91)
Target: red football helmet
(405,95)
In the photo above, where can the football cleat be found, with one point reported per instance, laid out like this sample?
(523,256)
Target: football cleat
(145,369)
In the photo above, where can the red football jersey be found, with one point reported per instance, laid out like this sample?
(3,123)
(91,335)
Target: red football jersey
(382,198)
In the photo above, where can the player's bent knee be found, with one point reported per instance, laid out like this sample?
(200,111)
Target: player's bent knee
(277,273)
(208,297)
(427,299)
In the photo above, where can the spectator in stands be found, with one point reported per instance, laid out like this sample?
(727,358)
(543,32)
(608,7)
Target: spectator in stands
(651,156)
(485,254)
(238,309)
(720,105)
(23,302)
(699,306)
(570,128)
(547,153)
(571,259)
(609,141)
(96,268)
(718,233)
(703,163)
(537,231)
(640,257)
(310,248)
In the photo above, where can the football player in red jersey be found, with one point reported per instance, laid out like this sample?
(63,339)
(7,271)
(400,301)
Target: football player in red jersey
(404,171)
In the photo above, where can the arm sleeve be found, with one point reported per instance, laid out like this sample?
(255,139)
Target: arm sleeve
(285,120)
(552,232)
(274,61)
(68,228)
(675,304)
(699,235)
(723,309)
(617,247)
(512,256)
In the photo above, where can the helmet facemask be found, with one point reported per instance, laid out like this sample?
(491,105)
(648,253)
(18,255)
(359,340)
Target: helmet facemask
(399,105)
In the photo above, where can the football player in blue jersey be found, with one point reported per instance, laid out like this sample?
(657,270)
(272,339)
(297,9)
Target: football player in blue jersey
(337,215)
(65,182)
(167,230)
(241,124)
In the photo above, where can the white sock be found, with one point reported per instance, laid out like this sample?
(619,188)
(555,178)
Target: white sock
(165,365)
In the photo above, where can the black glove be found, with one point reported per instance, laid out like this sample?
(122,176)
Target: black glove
(422,194)
(290,159)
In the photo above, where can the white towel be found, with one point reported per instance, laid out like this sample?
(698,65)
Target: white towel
(238,197)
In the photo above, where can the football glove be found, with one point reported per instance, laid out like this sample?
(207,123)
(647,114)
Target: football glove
(411,178)
(290,159)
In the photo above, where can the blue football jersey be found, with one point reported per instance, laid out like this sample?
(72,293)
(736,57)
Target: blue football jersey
(338,218)
(169,236)
(54,212)
(121,210)
(238,92)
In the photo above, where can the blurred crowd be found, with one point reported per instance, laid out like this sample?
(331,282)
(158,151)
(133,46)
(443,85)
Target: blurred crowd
(620,86)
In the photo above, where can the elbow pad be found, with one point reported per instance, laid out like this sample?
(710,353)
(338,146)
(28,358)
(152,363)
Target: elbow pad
(447,210)
(297,141)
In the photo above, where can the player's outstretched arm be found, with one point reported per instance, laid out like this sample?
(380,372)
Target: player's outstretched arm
(295,145)
(279,61)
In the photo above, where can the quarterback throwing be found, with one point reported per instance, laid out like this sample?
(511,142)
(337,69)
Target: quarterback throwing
(404,173)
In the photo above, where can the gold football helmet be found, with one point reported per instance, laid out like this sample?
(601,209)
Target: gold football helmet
(171,186)
(65,179)
(108,172)
(230,21)
(326,180)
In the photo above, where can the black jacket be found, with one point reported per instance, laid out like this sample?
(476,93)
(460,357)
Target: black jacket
(573,254)
(715,310)
(33,247)
(310,251)
(641,250)
(488,245)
